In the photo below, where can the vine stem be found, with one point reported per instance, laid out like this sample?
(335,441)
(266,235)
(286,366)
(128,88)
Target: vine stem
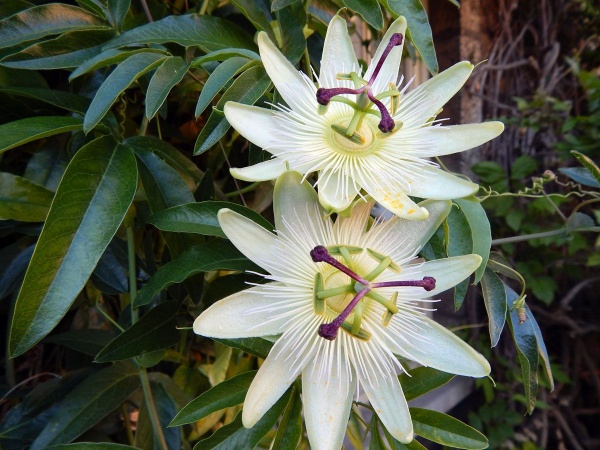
(132,271)
(527,237)
(149,401)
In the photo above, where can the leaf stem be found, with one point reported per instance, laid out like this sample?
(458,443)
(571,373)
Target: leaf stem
(149,402)
(527,237)
(248,188)
(132,272)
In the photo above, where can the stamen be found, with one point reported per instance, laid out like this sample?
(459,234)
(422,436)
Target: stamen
(427,283)
(320,254)
(329,330)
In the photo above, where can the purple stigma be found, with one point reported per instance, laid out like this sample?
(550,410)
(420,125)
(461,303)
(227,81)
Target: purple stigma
(329,330)
(386,124)
(324,95)
(427,283)
(395,40)
(321,254)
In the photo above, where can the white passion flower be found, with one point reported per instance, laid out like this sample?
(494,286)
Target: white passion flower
(344,300)
(360,132)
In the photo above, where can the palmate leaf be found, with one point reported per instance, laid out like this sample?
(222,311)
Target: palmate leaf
(20,132)
(60,99)
(22,200)
(459,242)
(369,10)
(164,79)
(494,297)
(292,21)
(481,232)
(422,380)
(90,204)
(446,430)
(289,430)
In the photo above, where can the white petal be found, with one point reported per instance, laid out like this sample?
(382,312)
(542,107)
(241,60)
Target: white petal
(438,141)
(250,238)
(247,313)
(266,170)
(336,191)
(389,71)
(393,199)
(256,124)
(327,400)
(400,238)
(426,100)
(283,365)
(295,201)
(385,394)
(290,83)
(431,182)
(338,54)
(448,272)
(441,349)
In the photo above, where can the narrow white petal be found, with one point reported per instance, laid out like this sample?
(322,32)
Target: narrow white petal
(448,272)
(431,96)
(327,398)
(266,170)
(389,71)
(248,313)
(295,200)
(258,125)
(338,53)
(400,238)
(431,182)
(336,190)
(386,396)
(250,238)
(441,349)
(290,83)
(393,199)
(438,141)
(285,362)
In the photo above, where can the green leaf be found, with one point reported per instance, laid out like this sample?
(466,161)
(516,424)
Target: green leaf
(289,430)
(246,89)
(481,232)
(276,5)
(126,73)
(418,27)
(459,242)
(216,254)
(95,192)
(446,430)
(65,100)
(257,14)
(92,446)
(527,349)
(522,167)
(397,445)
(224,395)
(172,156)
(580,175)
(494,297)
(117,10)
(588,164)
(235,435)
(369,10)
(44,20)
(579,221)
(20,132)
(166,408)
(224,54)
(88,341)
(201,218)
(376,442)
(291,21)
(13,7)
(422,380)
(164,79)
(255,346)
(66,51)
(207,32)
(109,57)
(22,200)
(541,346)
(87,404)
(217,80)
(156,330)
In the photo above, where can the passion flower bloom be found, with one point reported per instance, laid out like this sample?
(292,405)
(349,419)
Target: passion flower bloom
(343,300)
(360,133)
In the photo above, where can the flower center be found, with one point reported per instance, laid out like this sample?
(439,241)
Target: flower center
(365,99)
(349,300)
(364,138)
